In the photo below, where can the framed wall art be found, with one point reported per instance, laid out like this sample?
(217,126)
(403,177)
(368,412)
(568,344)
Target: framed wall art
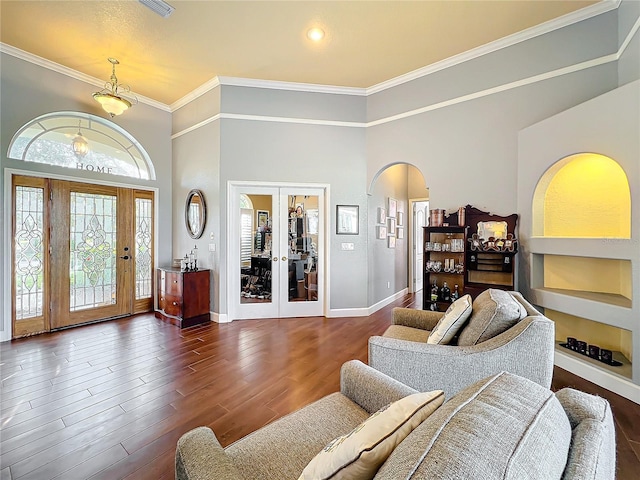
(347,219)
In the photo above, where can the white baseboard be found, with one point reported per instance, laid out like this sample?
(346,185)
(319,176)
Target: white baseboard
(366,311)
(219,317)
(383,303)
(600,377)
(348,312)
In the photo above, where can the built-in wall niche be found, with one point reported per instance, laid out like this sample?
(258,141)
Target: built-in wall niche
(618,340)
(603,280)
(585,195)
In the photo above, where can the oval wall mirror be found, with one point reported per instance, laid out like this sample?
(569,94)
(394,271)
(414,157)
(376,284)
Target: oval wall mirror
(195,213)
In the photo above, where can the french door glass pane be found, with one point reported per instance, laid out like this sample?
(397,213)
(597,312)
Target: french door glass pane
(143,248)
(255,249)
(303,248)
(92,269)
(29,252)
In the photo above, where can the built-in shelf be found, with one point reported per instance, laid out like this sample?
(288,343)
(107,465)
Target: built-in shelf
(624,370)
(608,298)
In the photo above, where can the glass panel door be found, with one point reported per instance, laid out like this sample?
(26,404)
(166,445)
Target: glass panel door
(304,238)
(254,280)
(278,252)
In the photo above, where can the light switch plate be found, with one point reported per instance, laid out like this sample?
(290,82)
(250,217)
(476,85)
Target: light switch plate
(348,246)
(212,247)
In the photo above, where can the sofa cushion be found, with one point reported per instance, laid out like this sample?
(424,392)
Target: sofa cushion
(494,311)
(452,321)
(401,332)
(502,427)
(359,454)
(276,450)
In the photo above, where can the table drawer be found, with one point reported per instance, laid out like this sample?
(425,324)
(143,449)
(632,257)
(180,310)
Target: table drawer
(170,282)
(171,305)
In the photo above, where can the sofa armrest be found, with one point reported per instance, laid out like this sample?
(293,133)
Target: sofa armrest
(369,388)
(410,317)
(526,349)
(199,456)
(593,439)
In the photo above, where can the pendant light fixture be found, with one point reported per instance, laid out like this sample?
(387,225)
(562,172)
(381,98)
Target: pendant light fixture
(110,97)
(79,144)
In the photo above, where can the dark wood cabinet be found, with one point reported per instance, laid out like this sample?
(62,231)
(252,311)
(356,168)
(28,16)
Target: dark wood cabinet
(444,262)
(183,297)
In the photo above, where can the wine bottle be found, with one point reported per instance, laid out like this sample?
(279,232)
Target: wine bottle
(456,294)
(434,292)
(445,293)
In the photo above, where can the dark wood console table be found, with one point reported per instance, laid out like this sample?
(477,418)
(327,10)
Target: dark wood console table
(183,297)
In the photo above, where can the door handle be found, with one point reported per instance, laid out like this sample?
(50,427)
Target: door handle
(275,259)
(284,259)
(125,257)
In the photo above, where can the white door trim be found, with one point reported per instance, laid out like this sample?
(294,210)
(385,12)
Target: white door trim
(232,187)
(412,247)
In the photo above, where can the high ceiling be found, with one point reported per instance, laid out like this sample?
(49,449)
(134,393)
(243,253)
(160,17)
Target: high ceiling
(367,42)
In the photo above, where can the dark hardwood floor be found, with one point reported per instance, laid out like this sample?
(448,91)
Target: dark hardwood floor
(110,400)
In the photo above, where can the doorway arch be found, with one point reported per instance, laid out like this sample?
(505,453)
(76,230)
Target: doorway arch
(394,257)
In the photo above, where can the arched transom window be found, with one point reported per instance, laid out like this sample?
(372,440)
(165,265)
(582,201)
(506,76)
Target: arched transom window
(81,141)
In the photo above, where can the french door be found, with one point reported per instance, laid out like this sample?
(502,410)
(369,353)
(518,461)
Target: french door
(81,253)
(276,252)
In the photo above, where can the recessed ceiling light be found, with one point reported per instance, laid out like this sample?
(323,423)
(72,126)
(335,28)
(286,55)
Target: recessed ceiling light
(315,34)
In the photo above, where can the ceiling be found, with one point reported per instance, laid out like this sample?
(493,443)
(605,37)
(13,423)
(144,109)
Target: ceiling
(367,42)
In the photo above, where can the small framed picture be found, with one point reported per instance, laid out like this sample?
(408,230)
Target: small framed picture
(392,226)
(262,218)
(382,215)
(400,232)
(347,219)
(393,207)
(382,232)
(400,218)
(391,242)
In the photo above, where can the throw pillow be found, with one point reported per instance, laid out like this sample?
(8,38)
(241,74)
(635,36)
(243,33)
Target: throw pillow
(494,311)
(359,454)
(449,325)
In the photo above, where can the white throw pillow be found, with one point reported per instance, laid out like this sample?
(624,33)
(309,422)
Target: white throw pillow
(359,454)
(449,325)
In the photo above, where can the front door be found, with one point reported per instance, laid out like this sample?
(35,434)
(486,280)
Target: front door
(81,253)
(277,252)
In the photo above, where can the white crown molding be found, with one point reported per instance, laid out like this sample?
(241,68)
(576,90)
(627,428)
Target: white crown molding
(555,24)
(69,72)
(292,86)
(198,92)
(305,121)
(196,126)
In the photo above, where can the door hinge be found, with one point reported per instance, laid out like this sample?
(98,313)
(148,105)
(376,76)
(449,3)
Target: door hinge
(51,195)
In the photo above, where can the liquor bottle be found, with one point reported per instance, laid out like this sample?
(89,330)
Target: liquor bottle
(456,294)
(445,293)
(434,292)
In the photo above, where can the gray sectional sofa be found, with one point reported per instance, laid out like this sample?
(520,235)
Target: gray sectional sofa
(502,427)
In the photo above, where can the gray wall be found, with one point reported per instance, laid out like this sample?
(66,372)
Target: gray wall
(629,63)
(282,152)
(196,165)
(467,148)
(388,267)
(28,91)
